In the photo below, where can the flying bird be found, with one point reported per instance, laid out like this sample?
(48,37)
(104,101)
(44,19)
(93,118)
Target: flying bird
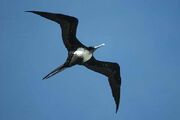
(79,54)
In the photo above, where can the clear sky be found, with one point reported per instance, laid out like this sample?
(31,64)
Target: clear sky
(141,35)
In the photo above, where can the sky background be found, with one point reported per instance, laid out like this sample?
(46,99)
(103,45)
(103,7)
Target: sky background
(143,36)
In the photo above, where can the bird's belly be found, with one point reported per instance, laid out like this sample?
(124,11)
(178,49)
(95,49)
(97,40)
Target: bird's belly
(83,53)
(86,56)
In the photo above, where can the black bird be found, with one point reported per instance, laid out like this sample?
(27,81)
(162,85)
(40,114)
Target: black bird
(82,55)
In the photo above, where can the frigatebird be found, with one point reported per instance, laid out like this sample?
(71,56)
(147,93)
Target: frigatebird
(79,54)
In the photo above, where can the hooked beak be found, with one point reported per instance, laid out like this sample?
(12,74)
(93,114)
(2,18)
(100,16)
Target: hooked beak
(98,46)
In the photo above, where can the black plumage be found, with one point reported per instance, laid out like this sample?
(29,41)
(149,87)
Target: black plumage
(81,54)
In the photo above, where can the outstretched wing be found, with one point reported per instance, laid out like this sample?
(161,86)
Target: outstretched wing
(68,25)
(112,71)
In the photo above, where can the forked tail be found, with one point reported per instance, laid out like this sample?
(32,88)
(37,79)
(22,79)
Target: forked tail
(57,70)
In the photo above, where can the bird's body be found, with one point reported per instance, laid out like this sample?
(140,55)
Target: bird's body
(79,54)
(83,53)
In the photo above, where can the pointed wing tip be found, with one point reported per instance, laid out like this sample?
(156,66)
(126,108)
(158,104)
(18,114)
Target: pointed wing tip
(117,109)
(35,12)
(30,11)
(27,11)
(117,101)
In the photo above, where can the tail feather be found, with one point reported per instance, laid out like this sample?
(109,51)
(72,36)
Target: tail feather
(55,71)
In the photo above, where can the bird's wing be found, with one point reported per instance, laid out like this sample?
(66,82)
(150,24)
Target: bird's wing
(112,71)
(68,25)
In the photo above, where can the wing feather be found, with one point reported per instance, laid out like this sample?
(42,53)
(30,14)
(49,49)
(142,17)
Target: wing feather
(68,25)
(112,71)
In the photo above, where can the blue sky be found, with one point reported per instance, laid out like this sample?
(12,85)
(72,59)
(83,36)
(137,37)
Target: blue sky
(142,36)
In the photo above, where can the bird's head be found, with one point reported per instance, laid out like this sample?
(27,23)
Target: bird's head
(92,49)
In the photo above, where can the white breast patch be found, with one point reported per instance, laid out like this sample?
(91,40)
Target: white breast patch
(85,54)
